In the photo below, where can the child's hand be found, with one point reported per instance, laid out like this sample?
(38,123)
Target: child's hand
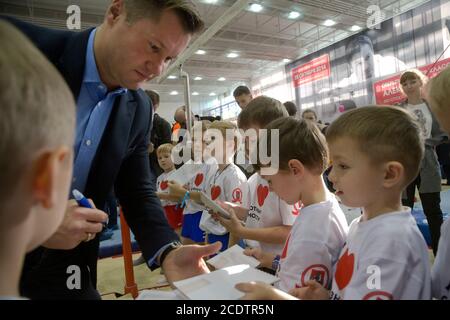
(262,291)
(265,258)
(233,225)
(312,291)
(176,189)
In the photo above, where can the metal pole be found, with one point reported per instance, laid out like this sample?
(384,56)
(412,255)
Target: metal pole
(187,98)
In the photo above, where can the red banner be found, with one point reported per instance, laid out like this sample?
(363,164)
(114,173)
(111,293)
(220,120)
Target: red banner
(387,91)
(315,69)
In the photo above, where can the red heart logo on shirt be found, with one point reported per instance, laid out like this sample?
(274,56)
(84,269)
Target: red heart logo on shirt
(198,179)
(215,192)
(263,192)
(344,270)
(297,207)
(164,185)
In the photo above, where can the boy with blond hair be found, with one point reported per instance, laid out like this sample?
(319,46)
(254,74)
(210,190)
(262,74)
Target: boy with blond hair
(37,122)
(320,230)
(376,152)
(174,213)
(439,97)
(268,219)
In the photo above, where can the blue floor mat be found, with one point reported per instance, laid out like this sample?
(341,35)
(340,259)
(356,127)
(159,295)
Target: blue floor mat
(421,220)
(113,246)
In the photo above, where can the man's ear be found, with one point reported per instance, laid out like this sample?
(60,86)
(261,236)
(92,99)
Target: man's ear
(114,11)
(49,167)
(394,173)
(296,167)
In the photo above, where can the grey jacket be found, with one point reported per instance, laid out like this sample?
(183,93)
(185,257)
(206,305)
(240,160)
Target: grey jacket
(430,173)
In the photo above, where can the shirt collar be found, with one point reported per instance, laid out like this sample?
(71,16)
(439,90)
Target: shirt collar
(91,76)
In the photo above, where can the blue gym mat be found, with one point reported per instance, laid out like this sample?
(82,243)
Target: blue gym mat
(113,246)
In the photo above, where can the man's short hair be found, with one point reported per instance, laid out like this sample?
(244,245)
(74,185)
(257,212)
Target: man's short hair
(291,108)
(383,133)
(239,91)
(37,107)
(261,111)
(154,97)
(298,139)
(184,9)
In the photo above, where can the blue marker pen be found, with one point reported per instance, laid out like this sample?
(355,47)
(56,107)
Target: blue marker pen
(84,202)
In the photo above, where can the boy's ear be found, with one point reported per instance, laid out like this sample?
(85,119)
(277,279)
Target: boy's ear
(114,11)
(49,167)
(296,167)
(394,172)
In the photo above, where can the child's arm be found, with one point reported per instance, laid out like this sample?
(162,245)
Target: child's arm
(265,258)
(262,291)
(167,196)
(277,234)
(177,192)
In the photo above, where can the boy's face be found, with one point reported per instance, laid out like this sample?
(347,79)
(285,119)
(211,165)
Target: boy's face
(357,180)
(165,161)
(243,100)
(284,185)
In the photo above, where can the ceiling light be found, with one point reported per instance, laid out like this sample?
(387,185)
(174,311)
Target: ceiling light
(255,7)
(232,55)
(221,79)
(212,94)
(195,93)
(210,1)
(286,60)
(198,78)
(293,15)
(200,52)
(329,23)
(171,77)
(355,28)
(173,93)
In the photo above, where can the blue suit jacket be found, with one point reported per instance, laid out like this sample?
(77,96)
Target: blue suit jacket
(121,162)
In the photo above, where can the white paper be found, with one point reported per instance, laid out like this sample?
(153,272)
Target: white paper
(219,284)
(231,257)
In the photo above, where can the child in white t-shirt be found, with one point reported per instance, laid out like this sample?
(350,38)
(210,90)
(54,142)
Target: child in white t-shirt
(228,184)
(320,230)
(439,97)
(376,152)
(268,219)
(174,213)
(190,193)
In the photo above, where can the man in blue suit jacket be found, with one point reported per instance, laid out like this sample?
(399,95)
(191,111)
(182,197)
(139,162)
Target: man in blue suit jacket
(104,68)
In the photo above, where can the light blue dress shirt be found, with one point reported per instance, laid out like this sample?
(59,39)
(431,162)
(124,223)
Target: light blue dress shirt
(94,107)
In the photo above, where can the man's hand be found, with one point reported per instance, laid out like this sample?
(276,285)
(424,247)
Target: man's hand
(187,261)
(265,258)
(262,291)
(79,224)
(312,291)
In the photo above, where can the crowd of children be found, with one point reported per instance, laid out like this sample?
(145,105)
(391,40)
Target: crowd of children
(283,215)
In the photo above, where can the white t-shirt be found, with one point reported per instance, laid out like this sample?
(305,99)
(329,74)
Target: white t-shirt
(422,114)
(228,185)
(200,182)
(266,210)
(384,258)
(313,246)
(163,187)
(440,273)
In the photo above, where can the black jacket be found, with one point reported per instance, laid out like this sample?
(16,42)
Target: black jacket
(121,162)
